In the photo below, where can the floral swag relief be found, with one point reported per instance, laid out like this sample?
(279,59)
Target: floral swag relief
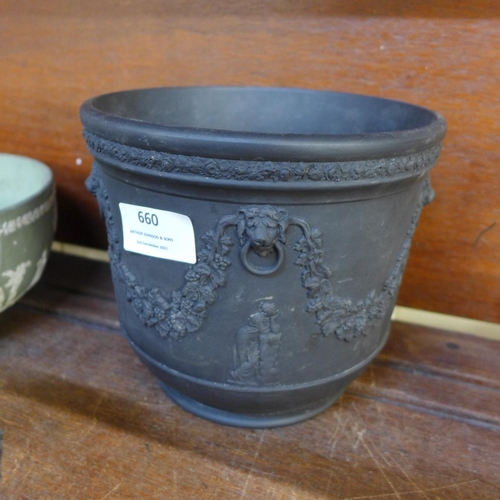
(262,171)
(261,230)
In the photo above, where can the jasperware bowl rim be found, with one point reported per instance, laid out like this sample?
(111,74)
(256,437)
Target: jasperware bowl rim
(30,199)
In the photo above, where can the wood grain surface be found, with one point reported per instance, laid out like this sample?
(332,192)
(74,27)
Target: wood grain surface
(442,54)
(84,419)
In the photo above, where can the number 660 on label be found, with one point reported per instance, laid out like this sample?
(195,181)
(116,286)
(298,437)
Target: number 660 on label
(158,233)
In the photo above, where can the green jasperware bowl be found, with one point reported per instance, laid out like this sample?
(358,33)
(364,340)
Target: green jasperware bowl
(27,224)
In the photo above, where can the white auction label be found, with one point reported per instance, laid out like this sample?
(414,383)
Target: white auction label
(158,233)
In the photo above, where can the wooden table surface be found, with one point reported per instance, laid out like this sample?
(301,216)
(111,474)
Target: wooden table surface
(83,419)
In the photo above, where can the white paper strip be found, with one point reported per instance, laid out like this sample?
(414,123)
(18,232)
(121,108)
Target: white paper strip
(158,233)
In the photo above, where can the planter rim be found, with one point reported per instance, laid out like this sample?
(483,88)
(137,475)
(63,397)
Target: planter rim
(224,143)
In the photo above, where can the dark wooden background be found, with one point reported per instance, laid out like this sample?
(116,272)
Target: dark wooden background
(443,54)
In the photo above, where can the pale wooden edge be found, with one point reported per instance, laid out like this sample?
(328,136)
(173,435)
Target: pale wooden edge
(448,322)
(80,251)
(403,314)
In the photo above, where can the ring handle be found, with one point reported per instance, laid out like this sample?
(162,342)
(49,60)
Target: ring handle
(262,270)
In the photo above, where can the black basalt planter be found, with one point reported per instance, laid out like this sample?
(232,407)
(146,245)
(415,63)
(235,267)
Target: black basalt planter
(258,237)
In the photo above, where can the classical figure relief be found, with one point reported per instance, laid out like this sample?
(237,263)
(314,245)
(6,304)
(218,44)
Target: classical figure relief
(256,347)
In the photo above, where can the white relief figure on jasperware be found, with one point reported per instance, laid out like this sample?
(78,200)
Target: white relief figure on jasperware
(40,266)
(15,278)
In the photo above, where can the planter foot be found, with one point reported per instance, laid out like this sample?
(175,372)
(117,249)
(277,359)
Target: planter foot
(244,420)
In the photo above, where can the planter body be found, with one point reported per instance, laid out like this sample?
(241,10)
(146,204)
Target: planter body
(296,263)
